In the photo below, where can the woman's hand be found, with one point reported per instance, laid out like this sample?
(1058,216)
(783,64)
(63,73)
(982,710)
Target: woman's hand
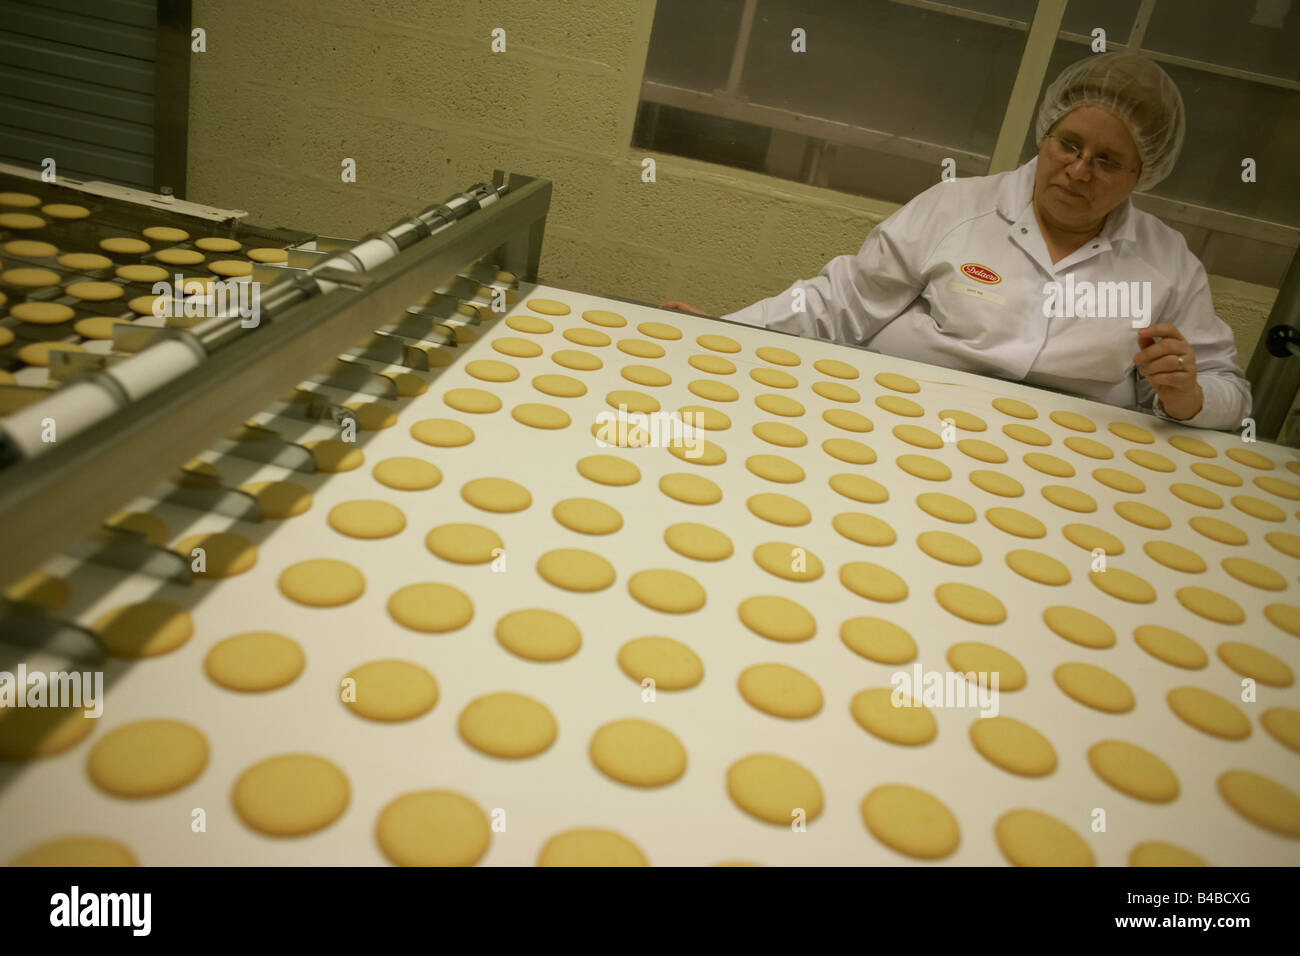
(1170,366)
(683,307)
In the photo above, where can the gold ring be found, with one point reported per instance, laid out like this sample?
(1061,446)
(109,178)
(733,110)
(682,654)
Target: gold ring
(1180,363)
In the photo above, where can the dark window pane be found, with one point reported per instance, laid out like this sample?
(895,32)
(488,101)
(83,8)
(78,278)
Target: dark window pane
(1114,16)
(701,136)
(869,63)
(1262,36)
(1228,120)
(1022,10)
(691,43)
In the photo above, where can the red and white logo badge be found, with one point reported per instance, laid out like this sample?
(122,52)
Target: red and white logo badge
(981,273)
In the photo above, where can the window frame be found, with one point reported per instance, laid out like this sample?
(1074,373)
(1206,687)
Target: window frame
(1043,33)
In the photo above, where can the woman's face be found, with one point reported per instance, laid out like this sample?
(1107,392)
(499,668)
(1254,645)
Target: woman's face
(1073,194)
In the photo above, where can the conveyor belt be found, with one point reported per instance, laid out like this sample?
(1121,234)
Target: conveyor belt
(694,819)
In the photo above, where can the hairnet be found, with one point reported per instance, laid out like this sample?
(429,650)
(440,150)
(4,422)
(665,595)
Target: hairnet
(1137,92)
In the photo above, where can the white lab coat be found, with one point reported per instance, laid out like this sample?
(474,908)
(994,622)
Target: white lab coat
(905,294)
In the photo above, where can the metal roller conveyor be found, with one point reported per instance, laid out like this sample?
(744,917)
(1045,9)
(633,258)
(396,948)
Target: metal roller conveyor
(99,394)
(158,392)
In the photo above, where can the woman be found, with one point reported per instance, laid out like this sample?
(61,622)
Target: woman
(1046,274)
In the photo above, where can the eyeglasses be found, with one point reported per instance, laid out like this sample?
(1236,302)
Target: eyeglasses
(1067,151)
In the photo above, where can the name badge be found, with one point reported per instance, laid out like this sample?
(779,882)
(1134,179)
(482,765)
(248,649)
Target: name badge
(978,292)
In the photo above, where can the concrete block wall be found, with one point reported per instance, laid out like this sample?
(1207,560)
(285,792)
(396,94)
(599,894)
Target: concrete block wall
(410,90)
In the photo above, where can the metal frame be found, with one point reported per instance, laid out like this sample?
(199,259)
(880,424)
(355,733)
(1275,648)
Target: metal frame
(815,127)
(48,502)
(171,100)
(138,197)
(1016,121)
(521,253)
(1137,33)
(1274,369)
(741,52)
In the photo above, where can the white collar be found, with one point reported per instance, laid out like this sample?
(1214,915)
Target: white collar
(1016,193)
